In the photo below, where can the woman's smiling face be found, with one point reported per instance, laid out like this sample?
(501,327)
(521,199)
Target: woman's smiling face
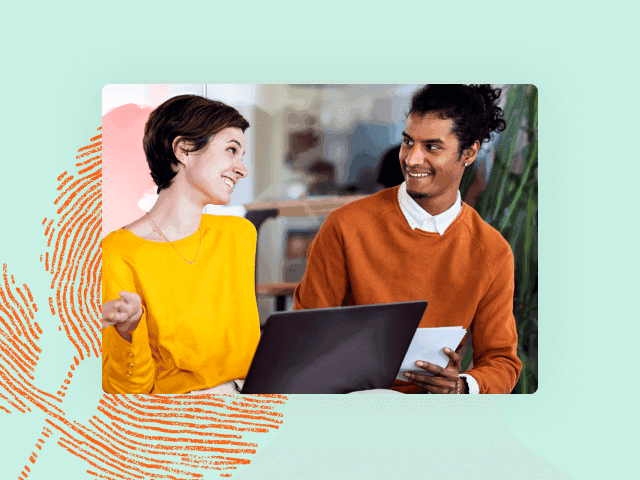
(214,170)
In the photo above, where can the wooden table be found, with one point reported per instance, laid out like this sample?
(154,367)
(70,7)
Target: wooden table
(318,206)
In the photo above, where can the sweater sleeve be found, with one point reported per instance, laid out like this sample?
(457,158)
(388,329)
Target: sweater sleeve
(127,367)
(495,339)
(326,277)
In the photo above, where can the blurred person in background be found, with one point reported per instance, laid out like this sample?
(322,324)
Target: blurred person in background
(179,310)
(389,172)
(419,241)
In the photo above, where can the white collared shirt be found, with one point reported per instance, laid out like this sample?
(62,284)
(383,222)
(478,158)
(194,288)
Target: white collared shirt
(419,218)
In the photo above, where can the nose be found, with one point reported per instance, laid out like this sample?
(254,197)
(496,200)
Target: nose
(415,157)
(240,169)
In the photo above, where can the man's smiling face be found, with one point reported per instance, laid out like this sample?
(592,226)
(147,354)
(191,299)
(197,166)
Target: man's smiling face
(430,159)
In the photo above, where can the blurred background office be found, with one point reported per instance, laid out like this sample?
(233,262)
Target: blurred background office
(312,148)
(305,141)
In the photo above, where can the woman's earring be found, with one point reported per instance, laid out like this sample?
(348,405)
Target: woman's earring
(466,164)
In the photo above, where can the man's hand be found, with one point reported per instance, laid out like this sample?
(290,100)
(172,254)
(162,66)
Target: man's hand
(124,313)
(444,380)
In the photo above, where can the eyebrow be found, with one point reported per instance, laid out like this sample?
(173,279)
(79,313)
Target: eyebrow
(430,140)
(233,140)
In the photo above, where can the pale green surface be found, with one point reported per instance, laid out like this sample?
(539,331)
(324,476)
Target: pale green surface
(580,423)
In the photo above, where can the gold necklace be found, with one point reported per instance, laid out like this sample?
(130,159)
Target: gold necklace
(174,247)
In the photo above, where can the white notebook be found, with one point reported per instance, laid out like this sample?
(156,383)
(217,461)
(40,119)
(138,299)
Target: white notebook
(427,345)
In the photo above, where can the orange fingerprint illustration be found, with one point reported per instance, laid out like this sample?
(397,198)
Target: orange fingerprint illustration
(153,436)
(19,351)
(128,436)
(75,260)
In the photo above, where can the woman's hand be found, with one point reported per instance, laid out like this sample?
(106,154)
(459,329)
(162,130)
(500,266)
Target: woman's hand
(444,380)
(124,313)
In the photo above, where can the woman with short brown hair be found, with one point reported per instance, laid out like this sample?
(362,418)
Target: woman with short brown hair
(179,308)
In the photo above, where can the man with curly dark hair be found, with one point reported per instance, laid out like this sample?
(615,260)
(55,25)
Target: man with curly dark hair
(419,241)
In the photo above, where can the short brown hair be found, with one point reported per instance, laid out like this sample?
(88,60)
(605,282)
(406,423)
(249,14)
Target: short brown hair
(192,117)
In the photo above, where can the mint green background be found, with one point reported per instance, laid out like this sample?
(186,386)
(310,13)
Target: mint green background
(581,423)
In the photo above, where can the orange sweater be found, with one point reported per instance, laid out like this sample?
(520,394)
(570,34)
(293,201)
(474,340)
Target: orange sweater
(366,253)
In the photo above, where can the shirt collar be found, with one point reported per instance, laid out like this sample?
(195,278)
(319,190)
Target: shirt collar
(419,218)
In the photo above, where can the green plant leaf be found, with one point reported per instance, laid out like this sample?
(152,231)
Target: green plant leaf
(514,113)
(525,176)
(466,361)
(528,240)
(510,204)
(532,117)
(528,381)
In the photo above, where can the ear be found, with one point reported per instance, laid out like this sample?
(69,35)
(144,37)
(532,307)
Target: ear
(181,149)
(470,154)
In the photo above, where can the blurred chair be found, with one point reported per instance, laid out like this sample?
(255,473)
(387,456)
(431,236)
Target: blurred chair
(318,206)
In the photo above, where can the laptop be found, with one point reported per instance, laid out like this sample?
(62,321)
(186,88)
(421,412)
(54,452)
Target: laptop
(333,350)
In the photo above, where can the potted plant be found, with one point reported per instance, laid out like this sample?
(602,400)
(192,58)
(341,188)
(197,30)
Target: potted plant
(509,202)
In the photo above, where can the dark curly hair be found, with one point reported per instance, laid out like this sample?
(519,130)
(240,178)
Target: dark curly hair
(196,119)
(472,108)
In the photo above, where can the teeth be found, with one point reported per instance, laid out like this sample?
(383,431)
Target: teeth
(419,174)
(228,182)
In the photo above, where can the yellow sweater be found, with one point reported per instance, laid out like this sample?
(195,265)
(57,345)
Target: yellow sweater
(199,326)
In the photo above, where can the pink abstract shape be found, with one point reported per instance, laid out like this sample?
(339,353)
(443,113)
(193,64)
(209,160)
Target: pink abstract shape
(158,94)
(125,173)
